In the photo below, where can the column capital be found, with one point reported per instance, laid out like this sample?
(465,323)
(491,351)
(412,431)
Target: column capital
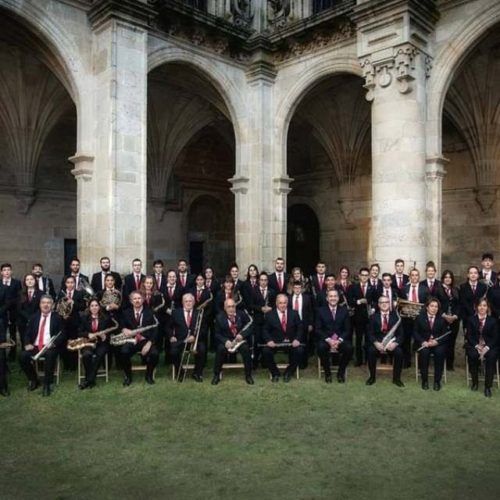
(282,184)
(139,14)
(435,167)
(240,184)
(84,166)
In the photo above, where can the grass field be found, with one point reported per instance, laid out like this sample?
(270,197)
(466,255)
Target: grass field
(303,440)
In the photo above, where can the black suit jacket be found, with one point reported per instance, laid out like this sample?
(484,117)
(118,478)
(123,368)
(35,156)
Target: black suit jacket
(326,326)
(494,299)
(436,289)
(273,282)
(395,292)
(493,278)
(3,303)
(129,321)
(258,302)
(395,283)
(223,331)
(422,331)
(375,333)
(490,332)
(315,288)
(190,282)
(422,292)
(176,299)
(128,287)
(25,308)
(273,331)
(468,299)
(449,304)
(307,310)
(96,282)
(180,329)
(11,294)
(360,310)
(48,287)
(80,276)
(103,323)
(246,292)
(34,324)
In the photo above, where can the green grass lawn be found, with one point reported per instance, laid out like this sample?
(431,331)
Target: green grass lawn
(303,440)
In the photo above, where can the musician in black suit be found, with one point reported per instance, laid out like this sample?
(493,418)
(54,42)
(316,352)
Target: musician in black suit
(92,326)
(12,288)
(399,278)
(28,303)
(302,304)
(429,325)
(75,272)
(159,276)
(211,282)
(469,293)
(375,281)
(282,326)
(487,273)
(318,279)
(333,334)
(250,284)
(361,300)
(278,280)
(228,291)
(450,306)
(4,388)
(184,279)
(45,284)
(493,296)
(481,343)
(431,284)
(330,284)
(173,299)
(231,326)
(381,324)
(387,290)
(133,319)
(234,272)
(98,279)
(132,282)
(44,325)
(184,320)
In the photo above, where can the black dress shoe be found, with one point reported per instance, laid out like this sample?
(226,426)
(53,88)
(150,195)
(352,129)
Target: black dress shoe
(215,380)
(46,390)
(127,381)
(398,383)
(370,381)
(425,386)
(275,378)
(437,386)
(249,380)
(196,377)
(4,392)
(341,379)
(358,363)
(328,379)
(286,377)
(474,386)
(150,380)
(487,392)
(33,385)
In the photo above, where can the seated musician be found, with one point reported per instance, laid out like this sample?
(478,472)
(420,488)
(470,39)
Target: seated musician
(481,344)
(92,326)
(282,329)
(302,303)
(380,325)
(44,325)
(4,389)
(184,320)
(232,327)
(429,327)
(135,318)
(333,334)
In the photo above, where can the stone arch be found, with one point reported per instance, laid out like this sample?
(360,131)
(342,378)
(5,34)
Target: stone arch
(446,64)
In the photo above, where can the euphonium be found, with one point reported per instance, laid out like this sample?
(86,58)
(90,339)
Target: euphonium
(408,309)
(84,285)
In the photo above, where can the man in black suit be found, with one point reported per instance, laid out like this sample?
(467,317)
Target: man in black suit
(41,328)
(239,285)
(399,278)
(4,389)
(12,288)
(173,299)
(159,276)
(184,321)
(318,279)
(330,284)
(133,319)
(132,282)
(375,281)
(301,303)
(282,326)
(381,323)
(333,334)
(388,291)
(487,273)
(278,280)
(469,294)
(361,300)
(45,284)
(75,272)
(231,326)
(98,278)
(431,284)
(184,279)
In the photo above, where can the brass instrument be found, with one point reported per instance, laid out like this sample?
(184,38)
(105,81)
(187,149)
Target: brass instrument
(235,344)
(64,307)
(389,336)
(159,306)
(47,346)
(129,338)
(344,303)
(84,285)
(7,344)
(110,297)
(437,339)
(81,342)
(408,309)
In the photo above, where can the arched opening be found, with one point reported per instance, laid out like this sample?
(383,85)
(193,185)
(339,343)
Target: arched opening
(37,135)
(329,158)
(191,156)
(471,141)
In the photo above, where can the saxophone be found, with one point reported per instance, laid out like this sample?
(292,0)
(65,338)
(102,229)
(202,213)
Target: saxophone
(235,344)
(389,336)
(129,338)
(81,342)
(159,306)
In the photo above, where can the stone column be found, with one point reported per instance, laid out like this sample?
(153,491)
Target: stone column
(110,168)
(393,51)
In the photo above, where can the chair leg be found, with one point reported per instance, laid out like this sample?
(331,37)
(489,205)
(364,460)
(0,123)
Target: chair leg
(319,368)
(416,366)
(498,376)
(466,370)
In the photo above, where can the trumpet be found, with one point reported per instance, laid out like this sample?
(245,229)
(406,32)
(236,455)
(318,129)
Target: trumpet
(235,344)
(47,346)
(81,342)
(129,338)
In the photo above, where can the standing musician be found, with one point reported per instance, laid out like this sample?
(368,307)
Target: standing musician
(450,307)
(184,320)
(432,285)
(381,323)
(44,325)
(301,303)
(333,334)
(481,344)
(282,326)
(28,303)
(159,276)
(134,318)
(200,292)
(429,325)
(4,388)
(184,279)
(487,274)
(203,298)
(399,278)
(317,280)
(151,297)
(45,284)
(211,282)
(296,274)
(94,322)
(493,296)
(173,299)
(98,279)
(250,284)
(110,297)
(12,288)
(330,284)
(232,327)
(361,300)
(74,267)
(469,293)
(375,281)
(228,291)
(344,284)
(234,272)
(388,291)
(132,282)
(213,285)
(279,279)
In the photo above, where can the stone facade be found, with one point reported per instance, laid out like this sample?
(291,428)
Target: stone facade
(201,127)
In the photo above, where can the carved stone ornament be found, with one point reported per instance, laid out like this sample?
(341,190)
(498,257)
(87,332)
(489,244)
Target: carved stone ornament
(486,197)
(26,197)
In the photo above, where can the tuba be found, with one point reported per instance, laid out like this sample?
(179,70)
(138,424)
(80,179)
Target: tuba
(408,309)
(84,285)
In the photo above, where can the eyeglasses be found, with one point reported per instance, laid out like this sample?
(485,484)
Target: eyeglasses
(365,275)
(384,302)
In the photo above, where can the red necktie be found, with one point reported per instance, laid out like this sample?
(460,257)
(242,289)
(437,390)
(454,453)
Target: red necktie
(333,314)
(363,289)
(431,286)
(95,325)
(283,322)
(198,295)
(148,299)
(431,323)
(473,289)
(414,297)
(137,282)
(138,319)
(481,326)
(296,304)
(188,319)
(158,281)
(400,279)
(183,280)
(232,325)
(41,332)
(208,283)
(385,324)
(170,291)
(30,295)
(320,282)
(280,282)
(70,295)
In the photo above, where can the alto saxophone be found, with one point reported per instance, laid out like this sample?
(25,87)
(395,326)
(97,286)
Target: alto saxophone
(81,342)
(389,336)
(129,338)
(235,344)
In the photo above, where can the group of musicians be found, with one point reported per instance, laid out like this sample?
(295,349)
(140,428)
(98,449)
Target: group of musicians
(373,316)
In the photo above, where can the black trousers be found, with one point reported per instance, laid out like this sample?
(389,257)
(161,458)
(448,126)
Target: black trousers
(439,353)
(295,354)
(151,358)
(345,351)
(490,361)
(11,324)
(407,324)
(176,350)
(92,359)
(397,354)
(450,355)
(28,365)
(256,340)
(3,369)
(221,355)
(360,327)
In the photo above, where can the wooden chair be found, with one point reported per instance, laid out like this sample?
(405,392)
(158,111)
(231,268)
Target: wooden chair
(417,371)
(41,372)
(334,366)
(101,373)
